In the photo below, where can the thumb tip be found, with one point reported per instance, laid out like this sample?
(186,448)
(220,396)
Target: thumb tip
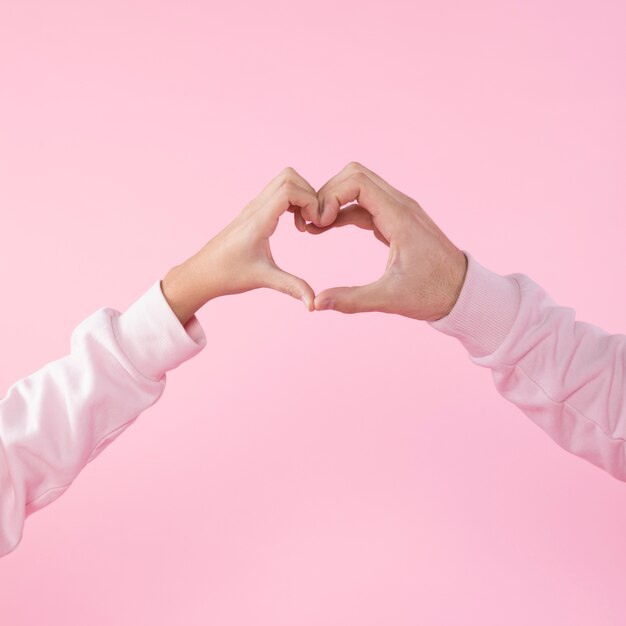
(324,303)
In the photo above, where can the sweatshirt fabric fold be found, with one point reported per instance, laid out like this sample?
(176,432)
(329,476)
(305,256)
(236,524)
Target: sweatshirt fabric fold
(567,376)
(56,420)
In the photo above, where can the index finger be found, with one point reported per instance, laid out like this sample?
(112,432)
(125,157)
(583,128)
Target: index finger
(359,187)
(290,175)
(288,195)
(354,166)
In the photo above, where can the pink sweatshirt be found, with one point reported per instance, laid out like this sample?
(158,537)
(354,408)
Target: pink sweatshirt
(53,422)
(567,376)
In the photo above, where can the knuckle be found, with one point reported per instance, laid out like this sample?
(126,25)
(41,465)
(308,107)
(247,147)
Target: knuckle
(285,190)
(354,166)
(286,175)
(412,204)
(359,176)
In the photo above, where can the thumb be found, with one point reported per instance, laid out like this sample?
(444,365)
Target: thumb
(282,281)
(352,299)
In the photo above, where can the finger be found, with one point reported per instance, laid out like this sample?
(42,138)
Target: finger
(371,297)
(278,279)
(354,166)
(342,189)
(310,212)
(385,211)
(290,175)
(299,221)
(352,215)
(291,194)
(282,176)
(297,178)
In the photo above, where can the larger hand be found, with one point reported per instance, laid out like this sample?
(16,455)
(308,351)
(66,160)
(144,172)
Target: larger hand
(239,258)
(425,270)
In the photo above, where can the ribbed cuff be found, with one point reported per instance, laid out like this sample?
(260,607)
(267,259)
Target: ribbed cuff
(484,311)
(153,338)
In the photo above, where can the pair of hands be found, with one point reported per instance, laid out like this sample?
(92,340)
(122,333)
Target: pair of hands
(424,274)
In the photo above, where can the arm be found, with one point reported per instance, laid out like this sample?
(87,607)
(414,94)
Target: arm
(53,422)
(567,376)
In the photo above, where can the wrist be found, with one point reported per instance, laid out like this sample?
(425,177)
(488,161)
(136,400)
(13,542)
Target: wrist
(455,281)
(458,278)
(185,290)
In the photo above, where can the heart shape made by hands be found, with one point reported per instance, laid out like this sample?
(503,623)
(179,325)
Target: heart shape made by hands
(425,270)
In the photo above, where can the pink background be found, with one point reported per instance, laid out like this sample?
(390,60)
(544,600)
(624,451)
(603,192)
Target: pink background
(311,469)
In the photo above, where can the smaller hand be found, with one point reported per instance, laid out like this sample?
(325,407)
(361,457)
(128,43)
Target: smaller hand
(425,270)
(239,258)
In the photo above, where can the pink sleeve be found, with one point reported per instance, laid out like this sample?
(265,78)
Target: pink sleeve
(53,422)
(568,376)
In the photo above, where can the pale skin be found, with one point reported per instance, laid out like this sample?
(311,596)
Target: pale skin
(424,274)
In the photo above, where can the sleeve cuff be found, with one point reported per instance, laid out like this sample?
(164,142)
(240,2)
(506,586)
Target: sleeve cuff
(484,311)
(153,338)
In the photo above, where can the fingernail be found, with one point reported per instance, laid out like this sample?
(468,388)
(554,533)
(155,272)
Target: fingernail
(307,303)
(325,304)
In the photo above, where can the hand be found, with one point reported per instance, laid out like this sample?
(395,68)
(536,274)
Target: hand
(239,258)
(425,270)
